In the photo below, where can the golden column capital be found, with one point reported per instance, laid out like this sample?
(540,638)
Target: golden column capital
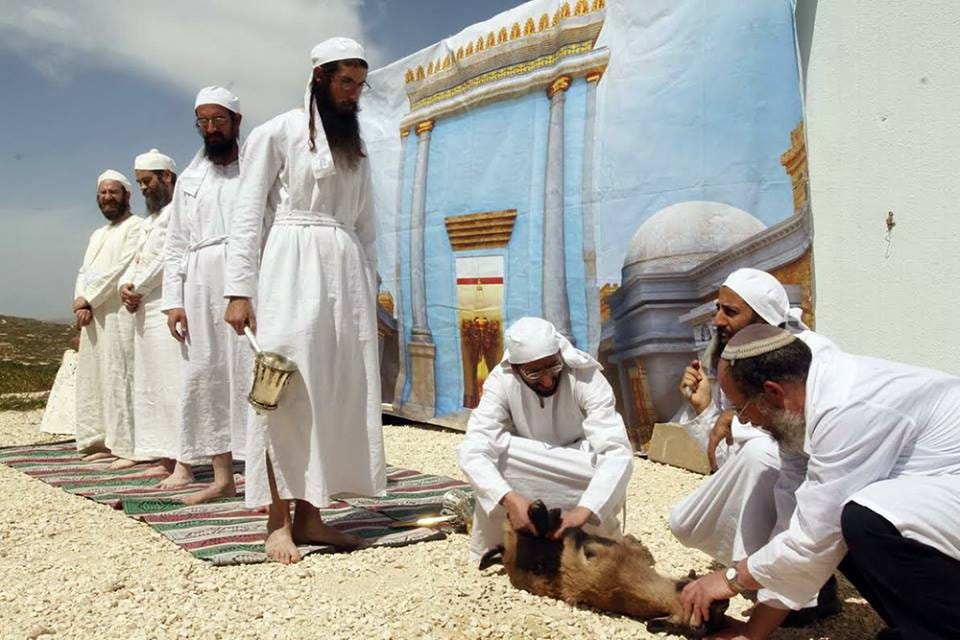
(560,84)
(425,126)
(404,132)
(595,75)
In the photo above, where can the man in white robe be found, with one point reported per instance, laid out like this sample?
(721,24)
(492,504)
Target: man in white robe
(546,428)
(217,369)
(105,363)
(315,304)
(881,488)
(734,512)
(158,360)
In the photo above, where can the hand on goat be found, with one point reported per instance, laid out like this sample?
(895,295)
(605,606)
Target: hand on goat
(517,512)
(698,595)
(573,519)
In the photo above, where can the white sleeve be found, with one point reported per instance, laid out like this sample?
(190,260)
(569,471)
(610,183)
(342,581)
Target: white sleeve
(174,249)
(98,291)
(366,224)
(151,273)
(488,436)
(603,428)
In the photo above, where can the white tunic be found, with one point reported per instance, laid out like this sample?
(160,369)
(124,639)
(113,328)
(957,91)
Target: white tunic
(585,458)
(158,358)
(105,363)
(885,435)
(316,305)
(60,414)
(218,366)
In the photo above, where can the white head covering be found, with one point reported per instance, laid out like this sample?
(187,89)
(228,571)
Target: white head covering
(530,339)
(153,160)
(218,95)
(110,174)
(766,296)
(336,49)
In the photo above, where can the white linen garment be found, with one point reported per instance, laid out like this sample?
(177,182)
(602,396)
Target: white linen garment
(885,435)
(218,366)
(60,414)
(158,358)
(316,305)
(571,451)
(105,362)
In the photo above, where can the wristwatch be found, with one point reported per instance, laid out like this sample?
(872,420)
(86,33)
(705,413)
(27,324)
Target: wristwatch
(730,575)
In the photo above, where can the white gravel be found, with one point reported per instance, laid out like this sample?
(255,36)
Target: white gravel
(75,569)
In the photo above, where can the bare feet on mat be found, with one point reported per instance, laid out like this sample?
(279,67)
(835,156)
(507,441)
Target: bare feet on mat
(98,456)
(279,544)
(120,464)
(309,528)
(211,492)
(182,475)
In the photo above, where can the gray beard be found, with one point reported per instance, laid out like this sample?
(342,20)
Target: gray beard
(156,203)
(788,429)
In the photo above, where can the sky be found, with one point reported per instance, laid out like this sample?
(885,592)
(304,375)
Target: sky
(89,84)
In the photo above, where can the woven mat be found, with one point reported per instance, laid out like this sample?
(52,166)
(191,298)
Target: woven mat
(224,532)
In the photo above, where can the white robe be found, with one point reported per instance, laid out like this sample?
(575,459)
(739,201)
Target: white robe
(316,305)
(218,366)
(158,358)
(879,433)
(572,451)
(60,414)
(105,363)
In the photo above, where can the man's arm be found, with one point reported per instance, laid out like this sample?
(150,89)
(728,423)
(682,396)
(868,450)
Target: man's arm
(151,273)
(97,291)
(175,247)
(366,224)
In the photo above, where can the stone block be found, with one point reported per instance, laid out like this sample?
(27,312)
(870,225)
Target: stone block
(672,445)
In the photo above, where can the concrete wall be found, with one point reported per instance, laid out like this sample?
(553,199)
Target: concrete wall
(883,128)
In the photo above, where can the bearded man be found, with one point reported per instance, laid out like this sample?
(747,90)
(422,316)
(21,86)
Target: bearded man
(105,361)
(316,304)
(217,369)
(158,360)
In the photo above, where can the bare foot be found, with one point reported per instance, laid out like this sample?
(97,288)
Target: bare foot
(211,492)
(121,463)
(279,545)
(309,528)
(99,455)
(182,475)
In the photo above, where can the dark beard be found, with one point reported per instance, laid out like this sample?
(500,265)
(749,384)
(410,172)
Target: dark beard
(114,214)
(217,149)
(341,128)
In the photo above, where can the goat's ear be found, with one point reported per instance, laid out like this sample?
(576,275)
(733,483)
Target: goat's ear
(492,557)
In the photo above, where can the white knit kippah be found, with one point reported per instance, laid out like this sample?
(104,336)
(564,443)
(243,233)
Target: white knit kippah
(755,340)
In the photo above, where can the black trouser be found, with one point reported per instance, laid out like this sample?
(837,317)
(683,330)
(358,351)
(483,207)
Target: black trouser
(912,586)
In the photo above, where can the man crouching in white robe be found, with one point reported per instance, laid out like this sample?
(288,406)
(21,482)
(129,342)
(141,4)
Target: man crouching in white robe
(546,428)
(105,361)
(880,495)
(316,304)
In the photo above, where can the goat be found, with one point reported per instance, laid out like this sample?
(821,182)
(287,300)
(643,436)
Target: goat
(585,569)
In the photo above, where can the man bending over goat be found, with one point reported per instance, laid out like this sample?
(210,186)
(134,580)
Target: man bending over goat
(546,427)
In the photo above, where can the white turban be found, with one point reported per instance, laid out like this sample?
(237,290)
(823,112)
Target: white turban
(153,160)
(336,49)
(530,339)
(218,95)
(110,174)
(766,296)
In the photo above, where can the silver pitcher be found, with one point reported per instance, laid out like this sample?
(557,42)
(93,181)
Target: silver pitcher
(271,373)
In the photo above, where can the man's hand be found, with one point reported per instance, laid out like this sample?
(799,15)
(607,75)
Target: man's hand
(695,386)
(722,430)
(177,323)
(573,519)
(130,299)
(80,303)
(518,509)
(699,594)
(240,314)
(83,316)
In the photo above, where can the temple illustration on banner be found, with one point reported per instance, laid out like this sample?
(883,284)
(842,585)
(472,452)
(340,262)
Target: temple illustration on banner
(514,197)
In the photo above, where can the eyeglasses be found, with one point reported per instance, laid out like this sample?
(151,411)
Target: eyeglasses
(548,370)
(740,411)
(217,121)
(350,85)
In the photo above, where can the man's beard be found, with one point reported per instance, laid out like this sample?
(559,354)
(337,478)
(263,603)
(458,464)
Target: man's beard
(157,200)
(341,127)
(217,146)
(788,428)
(112,211)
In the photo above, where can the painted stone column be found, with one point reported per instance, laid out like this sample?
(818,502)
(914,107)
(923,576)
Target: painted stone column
(556,305)
(587,198)
(398,275)
(422,351)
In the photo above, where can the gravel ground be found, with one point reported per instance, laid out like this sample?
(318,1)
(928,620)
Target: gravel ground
(76,569)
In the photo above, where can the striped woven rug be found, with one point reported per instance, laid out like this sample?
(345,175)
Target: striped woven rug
(224,532)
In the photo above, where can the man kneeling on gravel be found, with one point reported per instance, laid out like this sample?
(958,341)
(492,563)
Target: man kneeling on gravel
(546,428)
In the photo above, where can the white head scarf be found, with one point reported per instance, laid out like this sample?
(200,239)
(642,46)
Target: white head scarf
(530,339)
(766,296)
(110,174)
(153,160)
(215,94)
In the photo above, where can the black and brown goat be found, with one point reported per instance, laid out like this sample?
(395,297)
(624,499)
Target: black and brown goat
(589,570)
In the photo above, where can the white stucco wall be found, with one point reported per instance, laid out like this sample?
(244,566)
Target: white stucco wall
(883,134)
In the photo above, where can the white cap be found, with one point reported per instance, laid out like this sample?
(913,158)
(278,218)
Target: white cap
(110,174)
(336,49)
(153,160)
(765,295)
(530,339)
(218,95)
